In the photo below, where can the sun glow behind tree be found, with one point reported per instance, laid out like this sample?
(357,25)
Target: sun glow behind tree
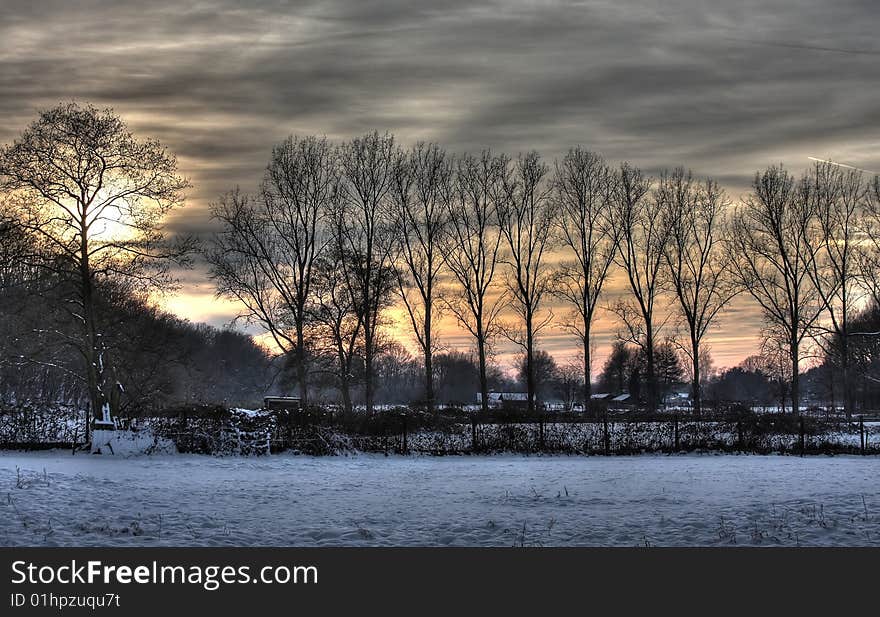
(95,197)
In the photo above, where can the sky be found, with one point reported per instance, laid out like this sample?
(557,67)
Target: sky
(723,88)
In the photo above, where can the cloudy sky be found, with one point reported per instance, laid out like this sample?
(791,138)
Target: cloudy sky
(722,87)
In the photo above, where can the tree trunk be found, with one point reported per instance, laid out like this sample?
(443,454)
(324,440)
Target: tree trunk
(652,379)
(530,369)
(429,369)
(344,378)
(844,367)
(368,366)
(301,366)
(345,386)
(795,379)
(484,380)
(696,393)
(588,386)
(95,360)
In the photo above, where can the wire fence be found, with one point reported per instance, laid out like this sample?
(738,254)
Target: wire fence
(218,430)
(611,437)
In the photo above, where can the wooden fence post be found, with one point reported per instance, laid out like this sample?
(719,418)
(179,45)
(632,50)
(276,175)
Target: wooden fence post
(862,440)
(474,433)
(605,438)
(88,420)
(541,432)
(675,427)
(801,429)
(405,447)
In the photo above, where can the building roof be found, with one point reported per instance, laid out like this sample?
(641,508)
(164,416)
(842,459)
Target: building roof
(621,398)
(504,396)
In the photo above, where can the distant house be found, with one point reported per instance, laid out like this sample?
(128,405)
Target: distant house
(554,404)
(281,403)
(499,400)
(678,399)
(599,401)
(622,401)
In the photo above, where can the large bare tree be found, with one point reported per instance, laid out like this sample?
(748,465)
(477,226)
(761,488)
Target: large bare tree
(264,255)
(337,321)
(698,260)
(769,237)
(525,213)
(838,197)
(364,230)
(584,188)
(97,197)
(471,250)
(868,253)
(643,238)
(422,192)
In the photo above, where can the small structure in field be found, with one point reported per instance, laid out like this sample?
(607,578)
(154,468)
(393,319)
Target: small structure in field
(622,401)
(505,400)
(599,401)
(282,403)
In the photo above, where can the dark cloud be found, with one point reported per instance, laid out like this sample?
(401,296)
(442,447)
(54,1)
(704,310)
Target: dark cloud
(721,87)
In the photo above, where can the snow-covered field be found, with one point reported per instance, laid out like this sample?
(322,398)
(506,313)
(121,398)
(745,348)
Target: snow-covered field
(53,498)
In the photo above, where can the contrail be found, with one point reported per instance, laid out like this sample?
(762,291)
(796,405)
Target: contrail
(837,50)
(813,158)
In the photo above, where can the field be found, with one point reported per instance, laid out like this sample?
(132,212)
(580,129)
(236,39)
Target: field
(54,498)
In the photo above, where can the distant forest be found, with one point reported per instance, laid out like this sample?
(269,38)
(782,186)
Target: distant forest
(338,234)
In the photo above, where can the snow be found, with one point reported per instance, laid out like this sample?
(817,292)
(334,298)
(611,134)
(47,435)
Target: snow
(182,500)
(129,443)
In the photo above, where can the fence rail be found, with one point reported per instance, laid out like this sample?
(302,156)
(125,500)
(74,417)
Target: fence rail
(407,431)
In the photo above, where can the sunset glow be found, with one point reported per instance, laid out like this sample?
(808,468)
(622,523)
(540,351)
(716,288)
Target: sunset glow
(697,87)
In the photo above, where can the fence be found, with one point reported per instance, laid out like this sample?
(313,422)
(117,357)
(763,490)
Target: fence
(604,436)
(217,430)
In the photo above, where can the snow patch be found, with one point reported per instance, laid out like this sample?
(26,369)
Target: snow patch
(130,443)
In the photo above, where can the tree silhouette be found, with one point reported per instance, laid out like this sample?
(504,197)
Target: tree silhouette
(698,260)
(774,261)
(265,252)
(583,190)
(96,196)
(643,239)
(422,192)
(526,219)
(471,252)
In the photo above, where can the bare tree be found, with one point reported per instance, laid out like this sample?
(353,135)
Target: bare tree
(526,220)
(19,251)
(868,253)
(774,360)
(264,255)
(769,238)
(698,260)
(96,196)
(422,194)
(362,223)
(337,320)
(643,240)
(583,191)
(838,198)
(471,250)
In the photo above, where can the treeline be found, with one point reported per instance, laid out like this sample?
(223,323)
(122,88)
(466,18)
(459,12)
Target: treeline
(158,360)
(83,249)
(341,237)
(338,234)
